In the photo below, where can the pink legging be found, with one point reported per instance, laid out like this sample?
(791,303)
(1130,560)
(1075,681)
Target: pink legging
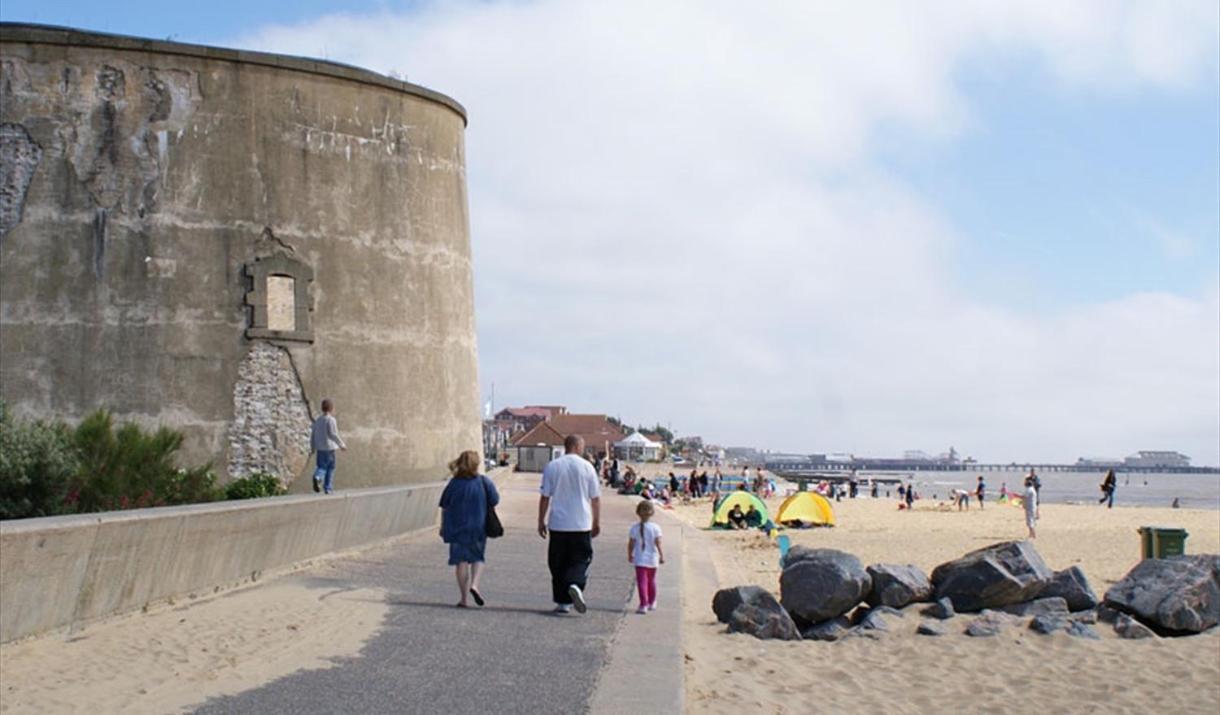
(646,581)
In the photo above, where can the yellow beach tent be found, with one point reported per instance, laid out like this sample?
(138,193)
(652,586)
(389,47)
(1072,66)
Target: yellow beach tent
(807,507)
(720,517)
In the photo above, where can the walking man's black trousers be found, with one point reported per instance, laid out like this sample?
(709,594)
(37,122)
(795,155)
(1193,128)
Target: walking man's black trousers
(568,556)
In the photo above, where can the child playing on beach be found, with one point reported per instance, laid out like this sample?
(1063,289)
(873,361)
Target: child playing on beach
(645,553)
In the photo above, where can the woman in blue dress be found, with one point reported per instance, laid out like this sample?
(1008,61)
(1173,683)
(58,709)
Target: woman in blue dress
(464,505)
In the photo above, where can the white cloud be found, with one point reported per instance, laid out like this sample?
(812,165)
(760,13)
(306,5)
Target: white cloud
(675,216)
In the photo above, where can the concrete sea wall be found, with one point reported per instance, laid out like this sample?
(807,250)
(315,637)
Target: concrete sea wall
(64,571)
(215,240)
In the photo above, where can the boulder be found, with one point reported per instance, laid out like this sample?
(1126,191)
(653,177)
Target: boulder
(988,623)
(1039,607)
(991,577)
(897,586)
(820,584)
(1081,630)
(1071,585)
(727,600)
(1127,627)
(871,634)
(831,630)
(1105,614)
(942,609)
(763,623)
(1048,623)
(874,620)
(864,611)
(1177,595)
(1089,616)
(930,628)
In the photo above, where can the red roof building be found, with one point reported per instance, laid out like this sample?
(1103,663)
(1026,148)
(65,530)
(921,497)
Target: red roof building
(599,433)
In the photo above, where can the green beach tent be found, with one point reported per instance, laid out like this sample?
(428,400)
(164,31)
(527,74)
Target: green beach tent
(720,516)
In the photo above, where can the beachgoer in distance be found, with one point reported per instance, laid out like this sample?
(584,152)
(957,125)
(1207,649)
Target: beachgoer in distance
(673,482)
(1031,505)
(980,491)
(1037,482)
(962,498)
(464,505)
(910,497)
(324,439)
(645,553)
(872,487)
(569,512)
(1108,485)
(737,518)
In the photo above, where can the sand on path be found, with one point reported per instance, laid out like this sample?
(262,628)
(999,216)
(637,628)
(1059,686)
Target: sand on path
(175,657)
(1016,672)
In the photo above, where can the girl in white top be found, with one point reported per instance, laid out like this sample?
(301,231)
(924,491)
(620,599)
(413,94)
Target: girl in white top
(644,552)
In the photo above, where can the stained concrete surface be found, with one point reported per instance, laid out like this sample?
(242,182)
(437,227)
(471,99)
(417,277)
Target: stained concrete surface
(513,656)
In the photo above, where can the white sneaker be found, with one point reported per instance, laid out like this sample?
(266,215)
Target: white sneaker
(642,610)
(562,609)
(578,598)
(652,606)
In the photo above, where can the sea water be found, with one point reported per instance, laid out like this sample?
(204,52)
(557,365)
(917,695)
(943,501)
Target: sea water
(1193,491)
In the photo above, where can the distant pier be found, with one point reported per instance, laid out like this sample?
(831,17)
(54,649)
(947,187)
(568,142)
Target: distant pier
(835,469)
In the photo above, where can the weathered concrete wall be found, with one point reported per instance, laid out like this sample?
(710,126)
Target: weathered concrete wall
(144,187)
(68,570)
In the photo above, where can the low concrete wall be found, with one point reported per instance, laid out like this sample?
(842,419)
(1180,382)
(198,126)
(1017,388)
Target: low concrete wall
(67,570)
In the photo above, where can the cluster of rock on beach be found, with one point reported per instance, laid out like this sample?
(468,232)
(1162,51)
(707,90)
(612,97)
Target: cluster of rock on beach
(829,595)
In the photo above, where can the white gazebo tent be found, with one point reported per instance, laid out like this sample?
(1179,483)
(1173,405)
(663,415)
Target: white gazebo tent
(637,447)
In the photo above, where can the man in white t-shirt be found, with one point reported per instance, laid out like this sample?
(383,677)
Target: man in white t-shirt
(569,510)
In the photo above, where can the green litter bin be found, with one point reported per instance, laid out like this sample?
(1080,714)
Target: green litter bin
(1158,542)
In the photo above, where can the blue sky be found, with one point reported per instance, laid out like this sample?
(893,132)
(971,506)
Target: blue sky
(839,216)
(1076,189)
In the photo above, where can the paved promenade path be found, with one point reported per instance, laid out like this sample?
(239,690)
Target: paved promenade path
(513,656)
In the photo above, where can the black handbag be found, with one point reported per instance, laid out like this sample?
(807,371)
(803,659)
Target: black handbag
(491,524)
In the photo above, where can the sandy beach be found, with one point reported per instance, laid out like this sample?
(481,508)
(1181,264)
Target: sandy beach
(1016,672)
(178,655)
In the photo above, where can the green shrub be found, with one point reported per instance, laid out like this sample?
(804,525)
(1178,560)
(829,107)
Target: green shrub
(129,468)
(37,463)
(254,486)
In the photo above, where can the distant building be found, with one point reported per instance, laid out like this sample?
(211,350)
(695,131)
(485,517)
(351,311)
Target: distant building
(787,462)
(520,419)
(637,447)
(1096,462)
(916,455)
(743,455)
(599,433)
(1155,458)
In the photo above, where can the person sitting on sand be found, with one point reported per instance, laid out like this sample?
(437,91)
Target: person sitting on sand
(753,517)
(737,518)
